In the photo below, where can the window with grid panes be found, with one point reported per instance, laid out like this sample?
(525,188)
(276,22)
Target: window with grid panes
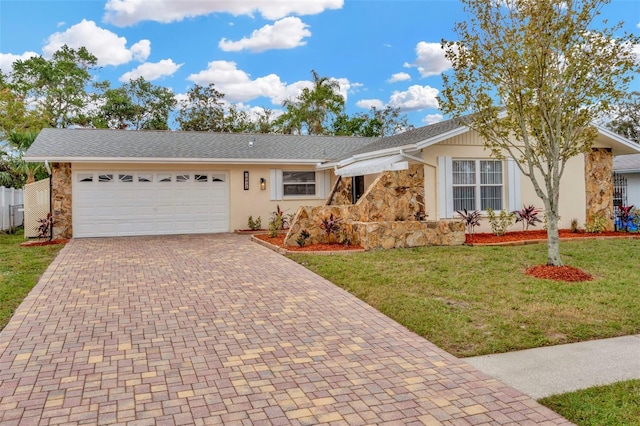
(477,184)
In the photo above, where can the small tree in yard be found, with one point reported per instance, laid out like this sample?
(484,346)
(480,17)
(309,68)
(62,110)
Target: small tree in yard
(536,74)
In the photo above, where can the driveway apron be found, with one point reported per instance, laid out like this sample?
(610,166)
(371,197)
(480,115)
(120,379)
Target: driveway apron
(214,329)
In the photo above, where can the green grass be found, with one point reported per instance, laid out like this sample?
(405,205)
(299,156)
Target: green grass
(20,268)
(477,300)
(616,404)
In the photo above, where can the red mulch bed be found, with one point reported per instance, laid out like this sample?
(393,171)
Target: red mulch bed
(539,234)
(38,243)
(279,241)
(558,273)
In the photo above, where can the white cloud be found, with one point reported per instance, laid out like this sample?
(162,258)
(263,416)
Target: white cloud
(370,103)
(399,76)
(238,86)
(128,12)
(432,118)
(7,60)
(415,98)
(430,59)
(152,70)
(286,33)
(105,45)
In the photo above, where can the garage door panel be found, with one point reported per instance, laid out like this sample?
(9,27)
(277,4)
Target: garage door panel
(141,205)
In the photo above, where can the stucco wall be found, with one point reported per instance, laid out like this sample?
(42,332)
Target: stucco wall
(254,202)
(572,187)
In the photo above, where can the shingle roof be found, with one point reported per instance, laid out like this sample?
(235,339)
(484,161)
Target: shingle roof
(411,137)
(622,163)
(79,144)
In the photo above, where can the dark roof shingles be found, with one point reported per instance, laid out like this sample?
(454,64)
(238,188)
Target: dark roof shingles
(93,143)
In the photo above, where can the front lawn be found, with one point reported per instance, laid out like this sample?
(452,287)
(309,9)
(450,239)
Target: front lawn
(477,300)
(20,268)
(616,404)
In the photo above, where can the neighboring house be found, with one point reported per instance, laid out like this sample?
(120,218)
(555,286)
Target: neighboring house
(112,182)
(628,168)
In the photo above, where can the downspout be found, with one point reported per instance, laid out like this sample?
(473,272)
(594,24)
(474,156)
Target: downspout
(49,171)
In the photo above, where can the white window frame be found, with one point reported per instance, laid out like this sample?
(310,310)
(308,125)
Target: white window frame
(276,185)
(510,181)
(309,183)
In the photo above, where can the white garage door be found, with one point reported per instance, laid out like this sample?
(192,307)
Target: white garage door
(113,203)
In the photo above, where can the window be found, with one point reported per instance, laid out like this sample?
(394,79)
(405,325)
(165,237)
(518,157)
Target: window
(201,178)
(125,178)
(182,178)
(477,184)
(164,177)
(105,178)
(298,183)
(85,177)
(145,177)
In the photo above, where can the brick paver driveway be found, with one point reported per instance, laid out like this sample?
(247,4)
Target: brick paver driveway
(215,329)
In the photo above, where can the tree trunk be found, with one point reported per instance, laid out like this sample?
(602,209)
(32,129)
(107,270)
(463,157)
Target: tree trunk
(553,238)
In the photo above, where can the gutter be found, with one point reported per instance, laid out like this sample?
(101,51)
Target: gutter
(148,160)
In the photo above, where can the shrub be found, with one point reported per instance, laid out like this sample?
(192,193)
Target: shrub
(254,225)
(574,225)
(471,219)
(596,225)
(302,238)
(44,227)
(280,217)
(499,223)
(331,225)
(528,216)
(275,225)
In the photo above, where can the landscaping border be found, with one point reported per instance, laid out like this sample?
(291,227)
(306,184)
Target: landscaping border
(286,252)
(544,240)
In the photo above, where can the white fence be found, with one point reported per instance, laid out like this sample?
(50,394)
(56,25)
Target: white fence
(11,208)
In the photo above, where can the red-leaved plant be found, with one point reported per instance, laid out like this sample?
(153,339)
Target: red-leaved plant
(528,216)
(331,225)
(470,218)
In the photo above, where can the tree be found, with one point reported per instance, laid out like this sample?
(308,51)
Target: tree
(59,86)
(203,110)
(312,110)
(536,74)
(626,121)
(376,123)
(14,171)
(137,105)
(15,116)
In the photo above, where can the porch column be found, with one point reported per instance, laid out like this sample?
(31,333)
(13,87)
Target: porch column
(598,171)
(61,200)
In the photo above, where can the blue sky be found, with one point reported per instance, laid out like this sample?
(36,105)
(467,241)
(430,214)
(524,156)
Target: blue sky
(259,52)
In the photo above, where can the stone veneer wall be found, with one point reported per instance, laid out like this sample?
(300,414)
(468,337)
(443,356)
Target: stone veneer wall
(599,185)
(384,217)
(61,200)
(341,193)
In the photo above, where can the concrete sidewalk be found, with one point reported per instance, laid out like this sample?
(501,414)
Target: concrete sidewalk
(558,369)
